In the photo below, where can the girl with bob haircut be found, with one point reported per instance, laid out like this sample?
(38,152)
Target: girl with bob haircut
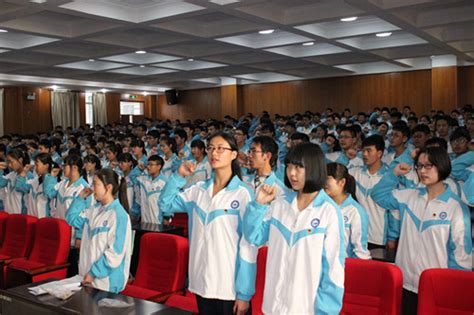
(106,246)
(304,232)
(222,265)
(17,161)
(341,187)
(435,229)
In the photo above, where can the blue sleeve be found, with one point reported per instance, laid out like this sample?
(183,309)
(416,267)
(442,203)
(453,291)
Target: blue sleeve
(460,241)
(3,180)
(382,193)
(73,213)
(331,285)
(170,200)
(48,186)
(460,164)
(469,189)
(255,228)
(21,185)
(136,171)
(394,223)
(246,271)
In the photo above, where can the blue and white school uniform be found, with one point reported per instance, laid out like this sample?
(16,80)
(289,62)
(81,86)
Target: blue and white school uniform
(14,201)
(271,180)
(171,165)
(40,205)
(202,172)
(341,158)
(306,255)
(222,265)
(356,229)
(146,196)
(433,234)
(106,245)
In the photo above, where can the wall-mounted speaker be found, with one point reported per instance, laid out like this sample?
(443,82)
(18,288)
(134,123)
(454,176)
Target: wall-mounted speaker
(172,97)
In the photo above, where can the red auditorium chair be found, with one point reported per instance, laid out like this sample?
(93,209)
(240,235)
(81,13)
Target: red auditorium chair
(371,288)
(181,220)
(3,224)
(48,258)
(188,302)
(19,237)
(162,267)
(446,291)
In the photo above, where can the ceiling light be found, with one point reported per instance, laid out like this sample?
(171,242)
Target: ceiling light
(145,93)
(140,52)
(264,32)
(103,90)
(142,66)
(38,1)
(3,31)
(91,60)
(349,19)
(385,34)
(190,59)
(308,44)
(54,87)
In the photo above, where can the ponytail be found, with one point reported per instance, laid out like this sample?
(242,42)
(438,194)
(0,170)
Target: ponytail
(122,194)
(109,177)
(338,172)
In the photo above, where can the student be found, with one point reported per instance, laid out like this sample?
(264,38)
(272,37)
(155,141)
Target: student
(112,151)
(139,152)
(184,152)
(348,156)
(126,164)
(91,167)
(106,246)
(263,156)
(148,190)
(304,231)
(14,201)
(435,225)
(397,150)
(221,264)
(169,149)
(203,170)
(341,187)
(40,205)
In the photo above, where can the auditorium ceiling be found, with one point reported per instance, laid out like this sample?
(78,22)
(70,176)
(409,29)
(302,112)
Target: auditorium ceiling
(154,45)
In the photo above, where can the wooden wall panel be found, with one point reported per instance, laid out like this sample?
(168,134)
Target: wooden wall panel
(444,88)
(82,108)
(465,85)
(202,103)
(113,107)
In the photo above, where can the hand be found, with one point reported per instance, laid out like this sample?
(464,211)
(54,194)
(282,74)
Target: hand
(241,307)
(55,171)
(86,192)
(141,166)
(87,279)
(26,169)
(351,153)
(77,243)
(266,194)
(3,165)
(330,141)
(392,245)
(113,164)
(153,151)
(414,153)
(401,169)
(187,168)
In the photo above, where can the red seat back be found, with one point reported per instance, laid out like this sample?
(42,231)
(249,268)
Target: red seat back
(19,235)
(3,224)
(163,262)
(446,291)
(257,299)
(181,220)
(371,288)
(52,242)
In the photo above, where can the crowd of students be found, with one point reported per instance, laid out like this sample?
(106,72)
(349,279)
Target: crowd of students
(315,188)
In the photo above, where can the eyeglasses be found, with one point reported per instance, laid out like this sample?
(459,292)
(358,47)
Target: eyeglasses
(459,141)
(219,150)
(253,151)
(427,166)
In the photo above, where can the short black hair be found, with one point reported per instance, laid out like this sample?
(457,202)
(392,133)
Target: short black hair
(375,140)
(300,136)
(311,157)
(268,145)
(460,132)
(198,144)
(438,157)
(268,127)
(350,129)
(156,158)
(436,142)
(422,128)
(402,127)
(154,134)
(181,133)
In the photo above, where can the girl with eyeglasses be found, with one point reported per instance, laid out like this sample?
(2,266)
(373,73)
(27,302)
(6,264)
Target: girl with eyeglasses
(435,229)
(304,232)
(221,263)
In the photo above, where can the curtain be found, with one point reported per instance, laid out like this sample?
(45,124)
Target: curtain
(65,109)
(99,105)
(1,112)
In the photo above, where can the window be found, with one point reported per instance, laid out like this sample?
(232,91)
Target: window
(89,108)
(131,109)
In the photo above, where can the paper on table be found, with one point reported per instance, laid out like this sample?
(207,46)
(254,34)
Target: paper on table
(72,284)
(113,303)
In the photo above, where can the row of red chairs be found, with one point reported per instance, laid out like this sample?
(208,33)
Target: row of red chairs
(32,249)
(371,287)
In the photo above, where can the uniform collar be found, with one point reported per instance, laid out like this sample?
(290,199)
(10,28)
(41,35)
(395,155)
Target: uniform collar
(444,197)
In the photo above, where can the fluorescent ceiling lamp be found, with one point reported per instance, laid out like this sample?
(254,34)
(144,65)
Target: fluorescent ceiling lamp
(190,59)
(349,19)
(140,52)
(3,31)
(308,44)
(385,34)
(142,66)
(264,32)
(103,90)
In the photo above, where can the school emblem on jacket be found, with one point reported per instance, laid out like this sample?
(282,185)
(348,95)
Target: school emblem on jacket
(443,215)
(104,224)
(346,219)
(235,204)
(315,222)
